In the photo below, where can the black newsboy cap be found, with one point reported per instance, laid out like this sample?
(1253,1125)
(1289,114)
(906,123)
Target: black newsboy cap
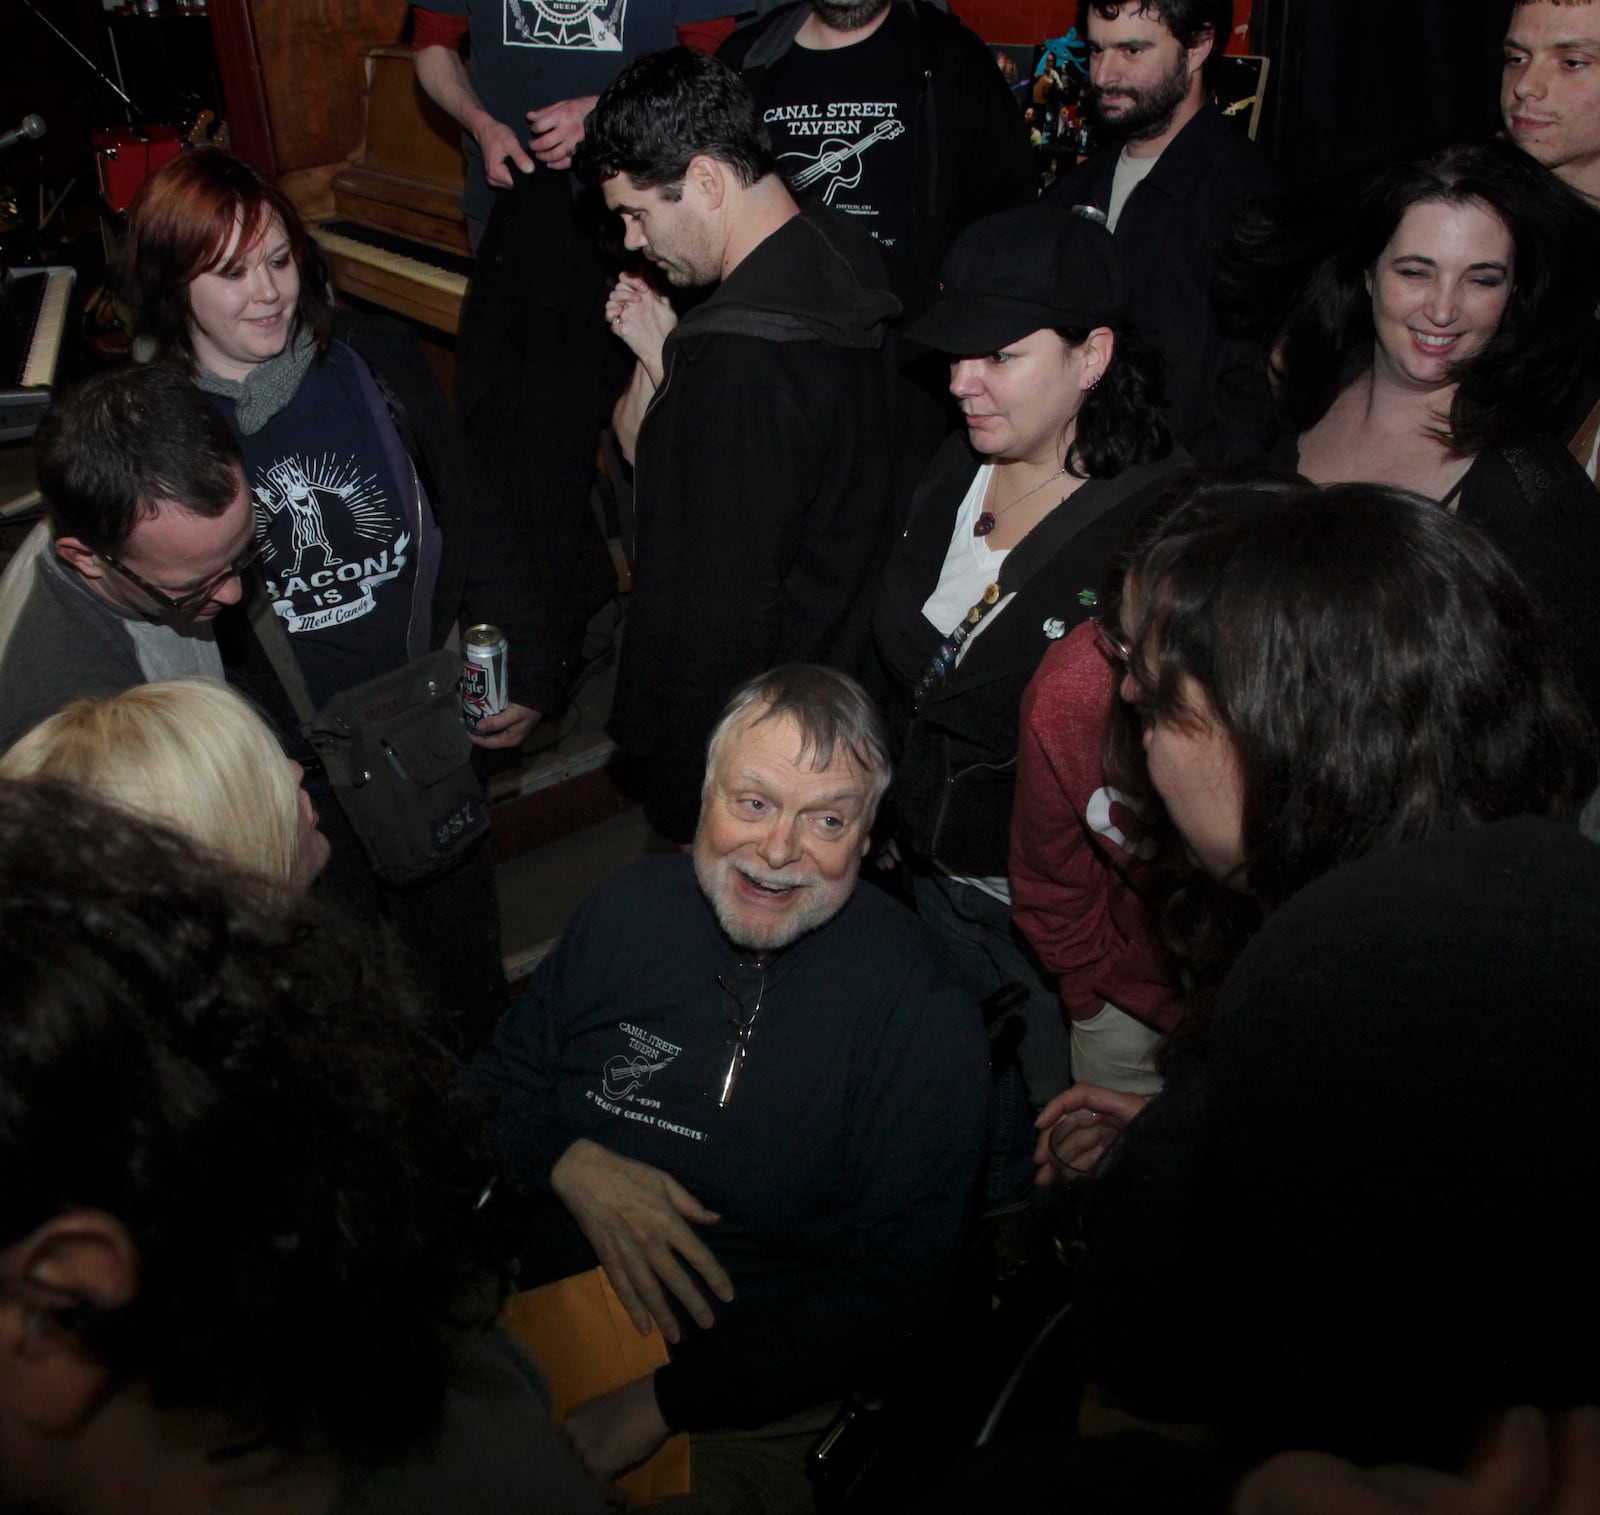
(1012,273)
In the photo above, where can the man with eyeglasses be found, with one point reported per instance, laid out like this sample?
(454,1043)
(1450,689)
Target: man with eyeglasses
(150,525)
(751,1090)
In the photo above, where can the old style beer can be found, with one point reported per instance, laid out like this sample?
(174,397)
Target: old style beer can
(483,674)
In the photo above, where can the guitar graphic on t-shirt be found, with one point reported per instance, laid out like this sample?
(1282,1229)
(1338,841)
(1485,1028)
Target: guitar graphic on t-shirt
(841,160)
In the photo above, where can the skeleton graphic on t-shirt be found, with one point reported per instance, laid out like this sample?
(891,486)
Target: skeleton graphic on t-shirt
(295,494)
(344,537)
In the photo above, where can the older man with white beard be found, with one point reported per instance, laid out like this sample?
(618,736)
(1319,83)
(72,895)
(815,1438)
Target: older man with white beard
(751,1092)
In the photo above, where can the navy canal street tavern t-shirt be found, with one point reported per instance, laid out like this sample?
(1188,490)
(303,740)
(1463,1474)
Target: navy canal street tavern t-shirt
(838,123)
(341,558)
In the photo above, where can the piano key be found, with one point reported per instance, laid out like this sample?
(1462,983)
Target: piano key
(447,281)
(39,371)
(33,317)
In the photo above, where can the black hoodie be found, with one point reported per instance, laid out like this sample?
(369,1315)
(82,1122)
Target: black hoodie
(762,495)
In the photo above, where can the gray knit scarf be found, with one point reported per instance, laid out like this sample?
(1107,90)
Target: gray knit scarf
(268,388)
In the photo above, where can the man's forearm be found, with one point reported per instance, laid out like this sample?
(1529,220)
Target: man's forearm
(617,1430)
(444,80)
(441,73)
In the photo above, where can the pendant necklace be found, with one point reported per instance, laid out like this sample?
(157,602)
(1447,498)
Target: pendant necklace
(988,519)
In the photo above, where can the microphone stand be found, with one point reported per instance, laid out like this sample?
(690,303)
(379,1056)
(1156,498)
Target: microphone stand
(84,58)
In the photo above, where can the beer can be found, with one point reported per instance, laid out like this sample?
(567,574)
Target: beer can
(483,673)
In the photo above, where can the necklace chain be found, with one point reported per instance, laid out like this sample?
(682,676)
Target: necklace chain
(989,519)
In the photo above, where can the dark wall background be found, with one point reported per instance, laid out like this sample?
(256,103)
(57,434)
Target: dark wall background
(1350,78)
(1353,78)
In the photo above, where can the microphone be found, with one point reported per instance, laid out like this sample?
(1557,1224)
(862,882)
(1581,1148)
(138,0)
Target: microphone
(31,129)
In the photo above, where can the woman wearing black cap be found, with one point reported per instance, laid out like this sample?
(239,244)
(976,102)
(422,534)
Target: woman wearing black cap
(1002,554)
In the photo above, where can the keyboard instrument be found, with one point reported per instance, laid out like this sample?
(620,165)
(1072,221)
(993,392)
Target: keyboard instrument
(405,276)
(33,320)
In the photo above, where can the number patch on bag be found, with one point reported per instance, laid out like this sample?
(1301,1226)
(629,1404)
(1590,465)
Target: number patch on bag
(466,820)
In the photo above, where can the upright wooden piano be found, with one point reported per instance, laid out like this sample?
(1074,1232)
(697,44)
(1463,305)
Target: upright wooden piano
(397,237)
(341,125)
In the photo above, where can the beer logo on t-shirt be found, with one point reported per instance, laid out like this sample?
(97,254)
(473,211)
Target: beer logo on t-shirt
(584,25)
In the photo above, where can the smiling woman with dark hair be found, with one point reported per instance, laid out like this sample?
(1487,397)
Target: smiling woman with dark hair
(1427,321)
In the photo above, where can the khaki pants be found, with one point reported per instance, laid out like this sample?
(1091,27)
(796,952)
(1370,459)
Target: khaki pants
(760,1472)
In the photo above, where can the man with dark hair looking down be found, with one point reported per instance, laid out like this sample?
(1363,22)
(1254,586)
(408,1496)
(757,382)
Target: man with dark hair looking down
(1168,183)
(749,1090)
(150,527)
(757,424)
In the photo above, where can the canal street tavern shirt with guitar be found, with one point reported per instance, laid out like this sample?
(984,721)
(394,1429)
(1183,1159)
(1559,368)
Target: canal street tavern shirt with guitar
(837,119)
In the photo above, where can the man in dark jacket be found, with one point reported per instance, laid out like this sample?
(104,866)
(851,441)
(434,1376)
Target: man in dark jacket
(1169,183)
(890,110)
(763,455)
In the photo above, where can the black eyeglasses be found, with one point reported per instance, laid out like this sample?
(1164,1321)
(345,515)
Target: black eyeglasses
(744,988)
(181,604)
(1112,639)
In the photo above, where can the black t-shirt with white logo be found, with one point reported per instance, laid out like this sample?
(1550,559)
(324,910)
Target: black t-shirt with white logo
(341,556)
(838,123)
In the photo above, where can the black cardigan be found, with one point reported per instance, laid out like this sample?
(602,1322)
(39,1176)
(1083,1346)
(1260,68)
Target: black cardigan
(955,768)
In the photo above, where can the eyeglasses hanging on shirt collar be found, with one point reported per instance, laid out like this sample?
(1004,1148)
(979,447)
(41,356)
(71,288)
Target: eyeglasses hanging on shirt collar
(743,989)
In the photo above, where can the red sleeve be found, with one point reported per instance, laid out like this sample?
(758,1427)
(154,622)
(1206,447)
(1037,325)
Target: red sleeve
(435,29)
(706,36)
(1074,889)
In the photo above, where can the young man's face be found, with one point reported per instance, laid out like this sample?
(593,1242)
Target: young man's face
(180,555)
(673,233)
(1550,90)
(1140,75)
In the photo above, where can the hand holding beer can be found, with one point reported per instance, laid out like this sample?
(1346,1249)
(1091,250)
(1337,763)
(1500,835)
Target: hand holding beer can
(483,674)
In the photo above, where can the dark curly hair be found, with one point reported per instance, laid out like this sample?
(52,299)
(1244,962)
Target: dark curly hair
(666,108)
(1120,422)
(179,226)
(1187,20)
(242,1081)
(1379,667)
(1296,273)
(127,442)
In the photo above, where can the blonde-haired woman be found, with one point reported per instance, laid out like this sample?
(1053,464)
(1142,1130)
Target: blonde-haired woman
(193,755)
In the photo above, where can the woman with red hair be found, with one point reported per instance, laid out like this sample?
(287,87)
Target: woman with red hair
(377,537)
